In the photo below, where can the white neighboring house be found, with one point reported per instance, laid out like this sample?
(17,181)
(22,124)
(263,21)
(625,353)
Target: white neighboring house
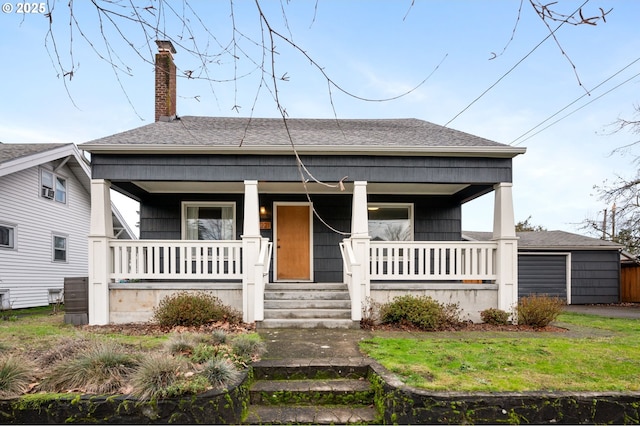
(44,222)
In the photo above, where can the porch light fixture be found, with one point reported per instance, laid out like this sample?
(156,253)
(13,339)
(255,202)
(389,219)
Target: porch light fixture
(263,210)
(373,209)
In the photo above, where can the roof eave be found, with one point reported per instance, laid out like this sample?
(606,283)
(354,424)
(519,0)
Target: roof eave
(568,248)
(467,151)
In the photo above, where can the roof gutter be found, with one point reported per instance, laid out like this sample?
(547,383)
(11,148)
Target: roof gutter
(382,150)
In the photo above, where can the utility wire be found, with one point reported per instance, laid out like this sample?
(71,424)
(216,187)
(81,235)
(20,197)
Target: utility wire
(578,109)
(567,106)
(516,65)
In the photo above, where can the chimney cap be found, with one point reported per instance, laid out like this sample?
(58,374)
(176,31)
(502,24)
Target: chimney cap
(165,46)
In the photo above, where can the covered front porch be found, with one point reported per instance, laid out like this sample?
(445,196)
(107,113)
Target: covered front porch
(127,279)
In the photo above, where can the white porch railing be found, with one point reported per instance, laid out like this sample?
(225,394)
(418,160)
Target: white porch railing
(354,279)
(261,278)
(176,259)
(436,261)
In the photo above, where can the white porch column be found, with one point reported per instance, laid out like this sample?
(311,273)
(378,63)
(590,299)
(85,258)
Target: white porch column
(360,240)
(100,233)
(251,240)
(504,233)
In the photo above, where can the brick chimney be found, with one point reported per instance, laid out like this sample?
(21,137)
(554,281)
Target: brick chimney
(165,81)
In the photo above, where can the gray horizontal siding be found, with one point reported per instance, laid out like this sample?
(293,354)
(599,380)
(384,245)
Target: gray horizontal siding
(283,168)
(595,276)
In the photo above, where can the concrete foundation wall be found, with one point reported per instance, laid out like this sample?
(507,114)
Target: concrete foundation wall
(135,302)
(471,298)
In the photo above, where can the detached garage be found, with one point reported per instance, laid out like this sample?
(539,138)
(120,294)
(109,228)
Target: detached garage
(578,269)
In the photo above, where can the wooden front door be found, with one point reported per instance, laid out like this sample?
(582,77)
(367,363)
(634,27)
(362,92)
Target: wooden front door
(293,242)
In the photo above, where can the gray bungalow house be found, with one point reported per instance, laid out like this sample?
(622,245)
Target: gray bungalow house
(298,223)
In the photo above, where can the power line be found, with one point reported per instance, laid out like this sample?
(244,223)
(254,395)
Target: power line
(578,109)
(567,106)
(516,65)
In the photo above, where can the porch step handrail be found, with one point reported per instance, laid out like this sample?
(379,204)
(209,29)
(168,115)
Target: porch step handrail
(353,278)
(176,259)
(433,260)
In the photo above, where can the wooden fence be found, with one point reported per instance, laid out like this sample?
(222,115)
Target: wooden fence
(630,283)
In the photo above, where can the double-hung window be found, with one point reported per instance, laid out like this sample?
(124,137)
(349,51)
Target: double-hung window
(391,222)
(7,236)
(59,248)
(208,221)
(52,186)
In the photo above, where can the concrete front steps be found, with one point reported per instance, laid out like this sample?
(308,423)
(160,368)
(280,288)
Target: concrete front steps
(307,305)
(283,393)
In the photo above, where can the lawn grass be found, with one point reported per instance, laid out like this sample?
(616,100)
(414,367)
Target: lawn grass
(41,328)
(545,362)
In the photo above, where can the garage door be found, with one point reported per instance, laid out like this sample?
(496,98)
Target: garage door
(542,274)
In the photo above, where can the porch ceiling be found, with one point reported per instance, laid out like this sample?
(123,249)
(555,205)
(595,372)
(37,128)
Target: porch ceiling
(296,188)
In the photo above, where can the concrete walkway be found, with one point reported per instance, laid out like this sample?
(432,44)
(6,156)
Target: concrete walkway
(631,311)
(318,344)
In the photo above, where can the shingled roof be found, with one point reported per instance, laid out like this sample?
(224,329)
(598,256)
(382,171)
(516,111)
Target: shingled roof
(13,151)
(549,240)
(270,134)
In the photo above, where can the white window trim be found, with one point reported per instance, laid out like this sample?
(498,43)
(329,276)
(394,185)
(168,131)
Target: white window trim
(54,176)
(409,206)
(53,248)
(15,236)
(186,204)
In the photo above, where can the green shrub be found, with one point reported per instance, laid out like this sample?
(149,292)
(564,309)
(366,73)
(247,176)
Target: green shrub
(420,311)
(102,367)
(193,309)
(220,372)
(494,316)
(538,311)
(15,376)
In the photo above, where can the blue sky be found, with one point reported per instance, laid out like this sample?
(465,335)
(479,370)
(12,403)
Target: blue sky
(374,49)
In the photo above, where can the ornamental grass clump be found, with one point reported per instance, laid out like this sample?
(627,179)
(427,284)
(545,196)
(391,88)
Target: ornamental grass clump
(494,316)
(193,309)
(422,312)
(248,347)
(220,372)
(538,311)
(15,376)
(156,375)
(102,367)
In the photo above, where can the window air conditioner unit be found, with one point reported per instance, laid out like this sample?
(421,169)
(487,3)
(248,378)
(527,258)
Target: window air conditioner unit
(48,192)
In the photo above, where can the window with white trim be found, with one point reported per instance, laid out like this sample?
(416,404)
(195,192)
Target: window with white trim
(390,222)
(52,186)
(60,248)
(208,221)
(7,236)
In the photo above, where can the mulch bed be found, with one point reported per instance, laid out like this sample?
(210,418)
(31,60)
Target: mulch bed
(146,329)
(468,326)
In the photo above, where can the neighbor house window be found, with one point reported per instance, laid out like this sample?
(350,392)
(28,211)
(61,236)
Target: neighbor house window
(208,221)
(53,186)
(391,222)
(59,248)
(7,236)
